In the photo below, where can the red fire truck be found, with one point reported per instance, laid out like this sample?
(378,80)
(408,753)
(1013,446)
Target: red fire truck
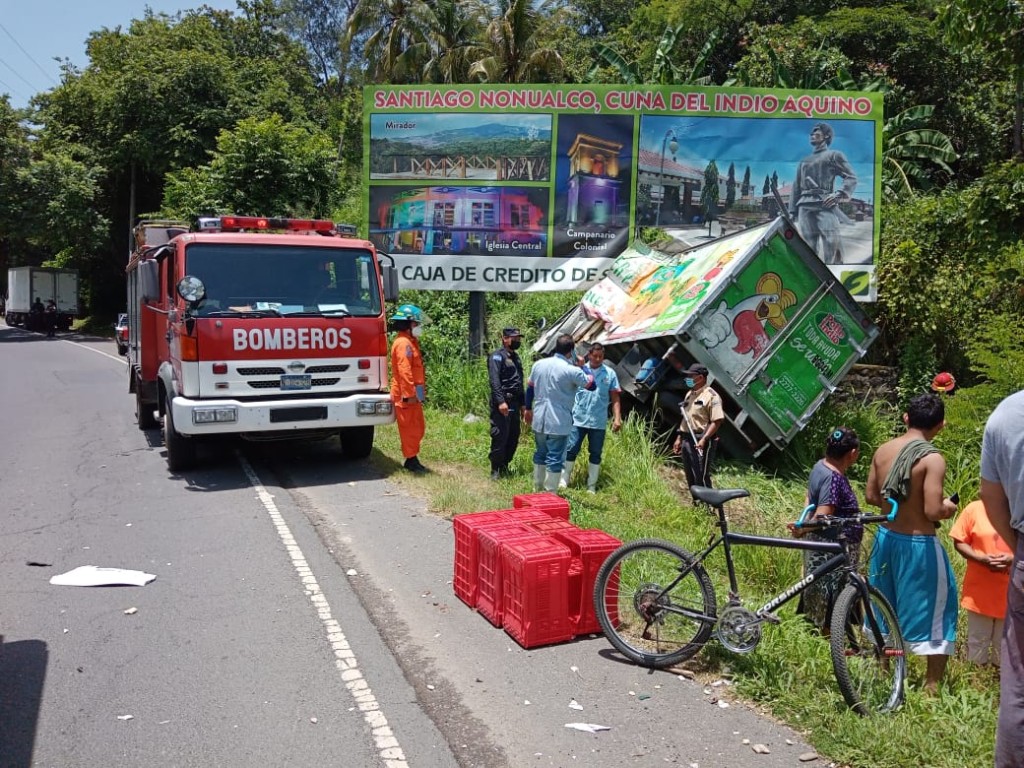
(258,327)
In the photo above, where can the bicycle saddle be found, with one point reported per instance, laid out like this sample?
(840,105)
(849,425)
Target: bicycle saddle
(715,497)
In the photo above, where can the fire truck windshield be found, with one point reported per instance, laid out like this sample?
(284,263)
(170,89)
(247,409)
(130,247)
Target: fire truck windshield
(262,280)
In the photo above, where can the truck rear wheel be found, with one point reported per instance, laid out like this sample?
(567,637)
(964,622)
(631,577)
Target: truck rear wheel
(356,442)
(144,411)
(181,451)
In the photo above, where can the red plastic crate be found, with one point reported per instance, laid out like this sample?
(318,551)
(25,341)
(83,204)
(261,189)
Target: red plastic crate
(490,540)
(589,548)
(551,503)
(530,515)
(535,576)
(550,524)
(465,527)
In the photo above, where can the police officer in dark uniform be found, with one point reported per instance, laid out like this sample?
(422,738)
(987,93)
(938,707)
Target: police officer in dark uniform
(505,372)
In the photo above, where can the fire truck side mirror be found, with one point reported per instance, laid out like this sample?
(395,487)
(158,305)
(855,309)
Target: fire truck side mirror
(389,278)
(149,281)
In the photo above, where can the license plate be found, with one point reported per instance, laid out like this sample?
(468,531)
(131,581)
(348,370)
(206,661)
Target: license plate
(293,381)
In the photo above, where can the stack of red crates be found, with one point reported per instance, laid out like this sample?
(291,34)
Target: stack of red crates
(529,569)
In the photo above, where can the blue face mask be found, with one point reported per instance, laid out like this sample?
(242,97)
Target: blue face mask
(690,383)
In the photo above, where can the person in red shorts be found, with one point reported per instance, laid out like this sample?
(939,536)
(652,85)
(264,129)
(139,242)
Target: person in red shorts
(985,581)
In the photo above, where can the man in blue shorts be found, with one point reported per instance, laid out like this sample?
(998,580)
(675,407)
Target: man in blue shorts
(908,564)
(1002,491)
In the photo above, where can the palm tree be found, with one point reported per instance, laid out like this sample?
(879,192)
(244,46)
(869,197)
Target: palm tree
(453,40)
(517,53)
(394,31)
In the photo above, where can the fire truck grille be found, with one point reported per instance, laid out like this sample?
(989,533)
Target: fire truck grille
(277,384)
(326,369)
(260,371)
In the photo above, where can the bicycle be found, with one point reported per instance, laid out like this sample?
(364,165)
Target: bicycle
(656,604)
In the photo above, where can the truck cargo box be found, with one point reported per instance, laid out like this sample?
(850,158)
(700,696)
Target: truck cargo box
(776,330)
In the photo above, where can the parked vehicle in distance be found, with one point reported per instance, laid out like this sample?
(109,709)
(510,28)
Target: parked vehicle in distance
(27,285)
(121,333)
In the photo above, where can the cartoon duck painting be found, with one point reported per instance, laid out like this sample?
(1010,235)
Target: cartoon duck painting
(743,325)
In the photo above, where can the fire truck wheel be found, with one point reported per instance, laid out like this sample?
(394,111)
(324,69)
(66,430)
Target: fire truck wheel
(356,442)
(144,412)
(181,451)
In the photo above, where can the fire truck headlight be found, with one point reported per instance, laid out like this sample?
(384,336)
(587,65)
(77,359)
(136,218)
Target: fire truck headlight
(367,407)
(384,408)
(214,414)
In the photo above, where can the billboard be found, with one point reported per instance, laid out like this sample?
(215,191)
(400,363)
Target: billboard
(540,187)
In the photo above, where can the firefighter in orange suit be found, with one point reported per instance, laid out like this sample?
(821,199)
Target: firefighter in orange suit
(409,383)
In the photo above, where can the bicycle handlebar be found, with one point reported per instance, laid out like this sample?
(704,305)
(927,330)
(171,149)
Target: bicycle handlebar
(833,522)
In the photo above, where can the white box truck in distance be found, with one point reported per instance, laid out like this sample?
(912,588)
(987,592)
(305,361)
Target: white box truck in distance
(26,284)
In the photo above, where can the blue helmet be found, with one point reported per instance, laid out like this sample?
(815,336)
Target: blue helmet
(410,312)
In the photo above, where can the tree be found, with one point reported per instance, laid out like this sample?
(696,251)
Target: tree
(452,42)
(709,194)
(320,26)
(745,188)
(997,27)
(263,167)
(730,186)
(518,51)
(767,188)
(394,35)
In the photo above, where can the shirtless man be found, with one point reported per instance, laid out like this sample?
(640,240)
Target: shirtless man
(908,564)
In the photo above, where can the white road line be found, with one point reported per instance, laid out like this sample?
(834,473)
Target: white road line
(83,345)
(388,748)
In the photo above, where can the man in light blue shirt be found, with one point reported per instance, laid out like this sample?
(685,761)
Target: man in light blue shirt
(550,396)
(590,417)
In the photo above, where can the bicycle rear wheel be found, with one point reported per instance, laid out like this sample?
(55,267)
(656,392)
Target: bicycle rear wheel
(647,610)
(867,651)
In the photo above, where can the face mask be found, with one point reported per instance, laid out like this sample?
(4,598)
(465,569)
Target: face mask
(417,331)
(515,344)
(690,383)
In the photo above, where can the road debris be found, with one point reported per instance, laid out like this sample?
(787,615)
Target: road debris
(131,611)
(93,576)
(761,749)
(588,727)
(573,704)
(126,717)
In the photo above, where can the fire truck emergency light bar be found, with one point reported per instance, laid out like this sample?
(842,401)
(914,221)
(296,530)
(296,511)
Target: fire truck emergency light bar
(238,223)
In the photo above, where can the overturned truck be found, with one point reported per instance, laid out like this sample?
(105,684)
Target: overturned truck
(776,330)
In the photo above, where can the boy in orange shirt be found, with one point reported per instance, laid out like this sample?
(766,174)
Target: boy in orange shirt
(985,581)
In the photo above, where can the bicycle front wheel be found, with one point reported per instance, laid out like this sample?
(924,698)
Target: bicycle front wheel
(655,604)
(867,651)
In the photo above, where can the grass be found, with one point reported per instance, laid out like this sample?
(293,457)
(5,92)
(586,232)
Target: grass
(640,494)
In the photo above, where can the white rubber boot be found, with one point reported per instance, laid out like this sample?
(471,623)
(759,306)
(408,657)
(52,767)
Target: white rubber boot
(566,475)
(538,477)
(593,470)
(551,481)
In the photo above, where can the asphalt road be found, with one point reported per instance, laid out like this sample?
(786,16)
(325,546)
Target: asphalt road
(302,613)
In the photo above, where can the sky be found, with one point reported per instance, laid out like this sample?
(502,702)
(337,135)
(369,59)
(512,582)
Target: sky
(35,32)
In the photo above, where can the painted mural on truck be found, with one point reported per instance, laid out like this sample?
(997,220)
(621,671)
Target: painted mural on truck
(564,176)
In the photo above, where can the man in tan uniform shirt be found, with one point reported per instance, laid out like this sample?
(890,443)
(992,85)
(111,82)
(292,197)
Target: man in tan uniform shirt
(702,417)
